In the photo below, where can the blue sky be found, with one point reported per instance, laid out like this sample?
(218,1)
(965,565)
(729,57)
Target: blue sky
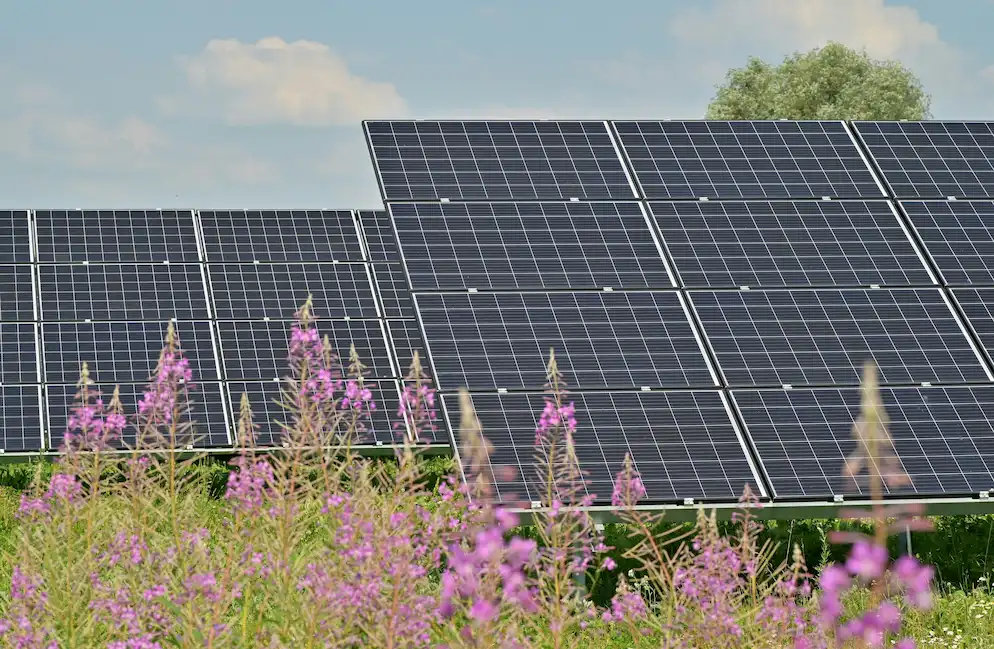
(225,103)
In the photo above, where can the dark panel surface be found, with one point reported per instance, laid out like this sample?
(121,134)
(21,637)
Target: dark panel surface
(978,307)
(280,235)
(20,418)
(254,350)
(18,353)
(378,233)
(683,444)
(16,294)
(121,352)
(944,437)
(959,236)
(493,160)
(700,159)
(109,236)
(452,246)
(485,341)
(278,290)
(933,159)
(122,292)
(267,413)
(406,339)
(394,292)
(206,412)
(795,243)
(15,237)
(823,337)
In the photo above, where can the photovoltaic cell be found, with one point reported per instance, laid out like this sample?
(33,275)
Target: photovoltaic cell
(116,236)
(268,414)
(788,243)
(122,292)
(933,159)
(761,159)
(484,341)
(394,292)
(452,246)
(280,235)
(15,237)
(943,436)
(20,418)
(207,412)
(254,350)
(683,444)
(16,294)
(18,353)
(492,160)
(121,352)
(378,233)
(978,307)
(406,339)
(959,236)
(818,337)
(278,290)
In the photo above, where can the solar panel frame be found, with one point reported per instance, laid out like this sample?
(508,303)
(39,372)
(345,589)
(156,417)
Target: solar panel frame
(825,171)
(16,237)
(393,291)
(22,422)
(498,160)
(264,398)
(977,306)
(671,435)
(123,352)
(529,245)
(932,159)
(667,308)
(858,326)
(140,236)
(277,290)
(247,236)
(112,292)
(803,437)
(209,412)
(958,236)
(253,350)
(767,244)
(405,337)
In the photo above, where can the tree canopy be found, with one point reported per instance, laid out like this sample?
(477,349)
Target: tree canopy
(831,82)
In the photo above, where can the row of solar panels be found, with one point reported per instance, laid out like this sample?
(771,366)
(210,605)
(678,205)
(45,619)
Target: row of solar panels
(101,287)
(717,340)
(562,160)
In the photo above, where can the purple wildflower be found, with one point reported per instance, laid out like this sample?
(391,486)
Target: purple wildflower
(867,560)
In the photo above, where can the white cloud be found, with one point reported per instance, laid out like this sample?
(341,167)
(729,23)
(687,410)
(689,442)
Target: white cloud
(303,83)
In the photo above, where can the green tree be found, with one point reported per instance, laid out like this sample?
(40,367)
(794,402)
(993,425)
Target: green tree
(831,82)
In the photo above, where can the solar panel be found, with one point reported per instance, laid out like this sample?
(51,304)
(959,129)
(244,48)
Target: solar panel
(958,235)
(122,292)
(17,302)
(406,338)
(978,307)
(699,159)
(449,246)
(253,350)
(635,339)
(20,418)
(18,353)
(944,437)
(378,233)
(278,290)
(116,236)
(207,412)
(428,160)
(267,413)
(683,443)
(932,159)
(121,352)
(818,337)
(280,235)
(15,237)
(394,291)
(795,243)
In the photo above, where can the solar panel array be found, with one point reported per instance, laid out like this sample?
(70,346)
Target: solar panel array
(101,287)
(712,299)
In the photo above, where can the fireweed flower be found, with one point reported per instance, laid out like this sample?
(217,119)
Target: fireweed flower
(249,484)
(417,412)
(173,375)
